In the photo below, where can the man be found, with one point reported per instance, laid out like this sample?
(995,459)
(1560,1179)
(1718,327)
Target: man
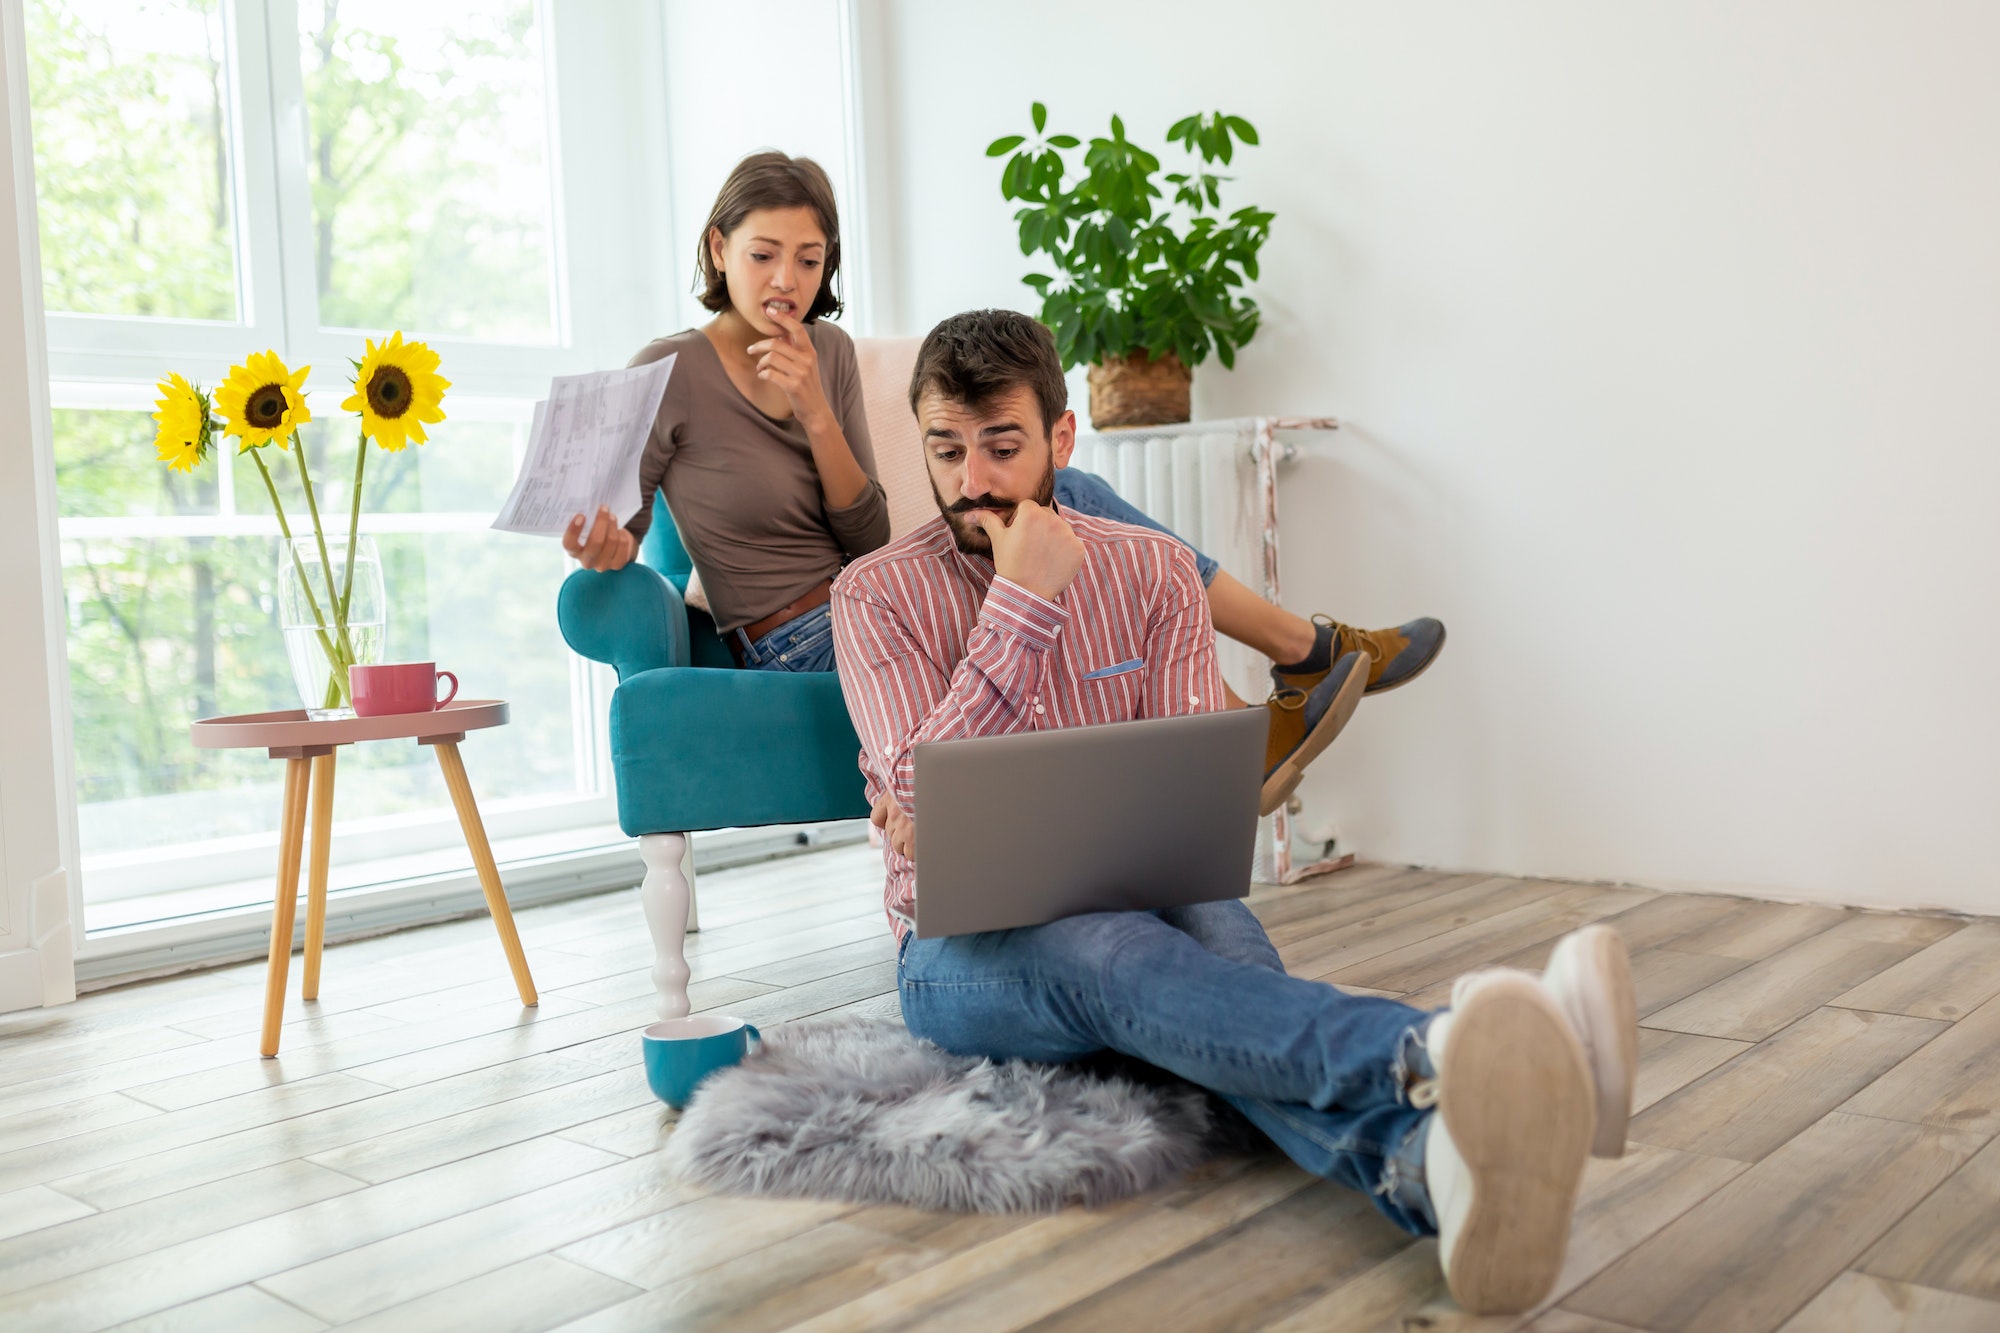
(1002,617)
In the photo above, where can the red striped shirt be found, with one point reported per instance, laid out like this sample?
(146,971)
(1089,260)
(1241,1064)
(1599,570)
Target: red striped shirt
(933,646)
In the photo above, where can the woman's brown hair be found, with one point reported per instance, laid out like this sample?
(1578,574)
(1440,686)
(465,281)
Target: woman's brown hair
(771,180)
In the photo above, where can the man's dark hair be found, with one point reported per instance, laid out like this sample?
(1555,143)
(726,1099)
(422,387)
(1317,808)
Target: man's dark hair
(771,180)
(975,357)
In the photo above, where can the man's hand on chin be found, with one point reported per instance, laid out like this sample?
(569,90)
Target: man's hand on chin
(897,827)
(1038,549)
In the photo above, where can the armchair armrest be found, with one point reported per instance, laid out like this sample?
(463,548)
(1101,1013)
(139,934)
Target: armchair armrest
(696,749)
(632,618)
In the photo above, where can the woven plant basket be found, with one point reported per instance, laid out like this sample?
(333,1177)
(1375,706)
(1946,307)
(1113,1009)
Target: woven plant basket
(1134,391)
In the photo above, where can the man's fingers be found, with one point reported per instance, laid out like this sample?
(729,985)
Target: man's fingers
(572,537)
(879,815)
(989,522)
(1035,512)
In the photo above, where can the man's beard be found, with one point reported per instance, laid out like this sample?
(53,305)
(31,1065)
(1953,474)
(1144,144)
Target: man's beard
(965,531)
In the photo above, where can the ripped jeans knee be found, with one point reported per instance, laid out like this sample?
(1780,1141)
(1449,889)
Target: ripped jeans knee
(1415,1072)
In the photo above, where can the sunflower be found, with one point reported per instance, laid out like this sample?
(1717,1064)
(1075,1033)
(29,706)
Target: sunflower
(185,424)
(263,401)
(396,390)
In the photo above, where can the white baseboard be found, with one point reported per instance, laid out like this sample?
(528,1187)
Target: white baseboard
(1814,897)
(20,980)
(1809,896)
(244,933)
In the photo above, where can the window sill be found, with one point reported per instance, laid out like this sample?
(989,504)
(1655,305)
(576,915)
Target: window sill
(156,935)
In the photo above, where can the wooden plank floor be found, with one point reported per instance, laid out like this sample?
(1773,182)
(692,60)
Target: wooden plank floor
(1815,1150)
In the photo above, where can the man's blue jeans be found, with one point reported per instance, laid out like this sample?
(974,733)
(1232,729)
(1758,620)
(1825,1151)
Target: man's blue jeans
(1088,493)
(1198,991)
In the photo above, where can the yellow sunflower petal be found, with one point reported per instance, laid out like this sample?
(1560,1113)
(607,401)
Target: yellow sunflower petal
(259,371)
(412,369)
(182,440)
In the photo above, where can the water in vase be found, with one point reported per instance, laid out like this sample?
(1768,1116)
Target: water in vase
(307,585)
(311,670)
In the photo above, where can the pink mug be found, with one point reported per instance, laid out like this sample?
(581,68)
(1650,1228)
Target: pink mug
(398,687)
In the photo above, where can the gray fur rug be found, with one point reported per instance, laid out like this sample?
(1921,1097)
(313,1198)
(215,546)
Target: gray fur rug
(857,1109)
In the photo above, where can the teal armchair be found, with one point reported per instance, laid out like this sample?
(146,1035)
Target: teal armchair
(695,742)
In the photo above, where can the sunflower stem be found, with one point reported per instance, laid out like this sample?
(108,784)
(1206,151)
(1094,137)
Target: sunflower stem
(298,566)
(353,525)
(344,653)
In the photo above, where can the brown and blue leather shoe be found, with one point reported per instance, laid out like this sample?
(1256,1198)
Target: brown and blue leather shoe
(1304,723)
(1400,654)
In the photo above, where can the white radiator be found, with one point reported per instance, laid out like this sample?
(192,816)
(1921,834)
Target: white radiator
(1215,484)
(1200,480)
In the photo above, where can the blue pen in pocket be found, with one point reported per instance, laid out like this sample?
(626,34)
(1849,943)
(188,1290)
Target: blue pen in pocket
(1117,670)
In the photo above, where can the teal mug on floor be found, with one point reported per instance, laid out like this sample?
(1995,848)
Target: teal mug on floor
(681,1052)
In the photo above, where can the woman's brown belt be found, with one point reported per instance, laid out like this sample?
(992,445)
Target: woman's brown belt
(792,610)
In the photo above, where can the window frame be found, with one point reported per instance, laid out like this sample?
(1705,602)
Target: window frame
(112,361)
(127,347)
(277,287)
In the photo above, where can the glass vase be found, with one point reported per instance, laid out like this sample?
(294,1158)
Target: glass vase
(320,642)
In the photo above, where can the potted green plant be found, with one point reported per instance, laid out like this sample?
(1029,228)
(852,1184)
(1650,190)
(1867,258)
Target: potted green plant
(1145,287)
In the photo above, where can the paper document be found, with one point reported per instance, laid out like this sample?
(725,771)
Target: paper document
(584,447)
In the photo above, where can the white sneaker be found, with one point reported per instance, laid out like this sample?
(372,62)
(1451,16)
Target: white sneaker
(1590,976)
(1506,1150)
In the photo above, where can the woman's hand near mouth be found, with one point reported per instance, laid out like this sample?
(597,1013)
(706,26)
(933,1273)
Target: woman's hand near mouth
(790,362)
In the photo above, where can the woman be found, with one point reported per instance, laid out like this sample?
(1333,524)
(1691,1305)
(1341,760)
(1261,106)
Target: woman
(761,444)
(763,451)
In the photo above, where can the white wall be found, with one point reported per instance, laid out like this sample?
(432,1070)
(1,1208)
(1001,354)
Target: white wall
(1666,336)
(740,81)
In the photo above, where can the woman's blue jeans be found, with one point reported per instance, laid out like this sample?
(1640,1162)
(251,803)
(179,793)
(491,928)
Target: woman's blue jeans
(806,643)
(1088,493)
(803,643)
(1198,991)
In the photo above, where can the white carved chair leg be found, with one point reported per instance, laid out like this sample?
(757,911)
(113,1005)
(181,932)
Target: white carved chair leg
(694,893)
(667,896)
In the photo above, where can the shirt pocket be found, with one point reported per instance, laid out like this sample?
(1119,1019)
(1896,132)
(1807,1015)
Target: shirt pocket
(1116,669)
(1114,698)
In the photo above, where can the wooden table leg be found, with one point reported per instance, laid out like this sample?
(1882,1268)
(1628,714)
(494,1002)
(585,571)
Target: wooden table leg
(291,837)
(322,841)
(482,859)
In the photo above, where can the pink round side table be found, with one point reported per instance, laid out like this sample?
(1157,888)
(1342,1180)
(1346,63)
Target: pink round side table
(308,749)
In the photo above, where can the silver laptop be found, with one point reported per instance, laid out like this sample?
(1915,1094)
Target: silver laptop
(1020,830)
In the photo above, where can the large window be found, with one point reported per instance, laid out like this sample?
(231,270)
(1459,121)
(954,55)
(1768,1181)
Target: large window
(133,123)
(430,158)
(215,178)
